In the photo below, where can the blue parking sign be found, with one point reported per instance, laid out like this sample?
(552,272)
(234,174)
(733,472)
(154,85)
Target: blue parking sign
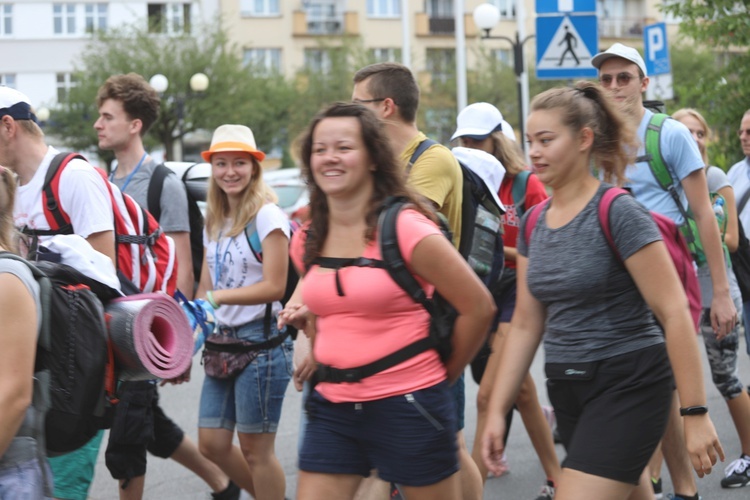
(656,49)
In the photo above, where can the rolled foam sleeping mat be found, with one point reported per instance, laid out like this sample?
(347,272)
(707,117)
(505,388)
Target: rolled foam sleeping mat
(151,337)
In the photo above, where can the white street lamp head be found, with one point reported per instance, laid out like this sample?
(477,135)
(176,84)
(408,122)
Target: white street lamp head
(199,82)
(42,114)
(159,82)
(486,16)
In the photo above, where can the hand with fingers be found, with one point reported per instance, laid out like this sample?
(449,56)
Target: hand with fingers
(493,445)
(702,443)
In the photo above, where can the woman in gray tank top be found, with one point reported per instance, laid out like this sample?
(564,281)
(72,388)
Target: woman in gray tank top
(24,471)
(601,315)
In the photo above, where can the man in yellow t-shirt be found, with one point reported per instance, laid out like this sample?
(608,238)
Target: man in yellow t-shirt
(391,91)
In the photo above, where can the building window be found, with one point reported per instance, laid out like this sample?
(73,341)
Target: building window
(259,7)
(507,8)
(6,19)
(324,17)
(440,8)
(386,55)
(263,60)
(9,80)
(318,60)
(384,8)
(441,63)
(64,15)
(503,56)
(169,18)
(96,17)
(65,82)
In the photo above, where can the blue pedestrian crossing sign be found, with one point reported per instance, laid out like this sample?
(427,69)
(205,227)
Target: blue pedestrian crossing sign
(565,46)
(657,49)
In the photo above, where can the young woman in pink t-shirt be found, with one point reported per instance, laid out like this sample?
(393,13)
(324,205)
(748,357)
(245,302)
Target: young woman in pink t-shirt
(401,420)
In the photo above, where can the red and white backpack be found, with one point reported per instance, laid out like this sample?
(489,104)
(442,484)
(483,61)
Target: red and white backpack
(145,255)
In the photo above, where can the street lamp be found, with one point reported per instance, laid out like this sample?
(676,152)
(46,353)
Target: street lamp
(486,16)
(42,114)
(198,84)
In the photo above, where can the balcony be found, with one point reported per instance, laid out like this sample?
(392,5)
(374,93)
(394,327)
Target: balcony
(426,25)
(623,27)
(336,24)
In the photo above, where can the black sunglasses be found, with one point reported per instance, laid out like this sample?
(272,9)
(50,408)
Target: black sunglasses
(622,79)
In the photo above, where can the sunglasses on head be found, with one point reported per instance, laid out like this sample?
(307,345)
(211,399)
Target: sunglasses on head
(622,79)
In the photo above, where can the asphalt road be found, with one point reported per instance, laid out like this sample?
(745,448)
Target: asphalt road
(166,480)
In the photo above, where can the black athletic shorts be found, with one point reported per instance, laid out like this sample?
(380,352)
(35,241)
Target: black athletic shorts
(611,414)
(139,425)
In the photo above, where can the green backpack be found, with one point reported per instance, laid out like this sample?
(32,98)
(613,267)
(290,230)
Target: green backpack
(666,180)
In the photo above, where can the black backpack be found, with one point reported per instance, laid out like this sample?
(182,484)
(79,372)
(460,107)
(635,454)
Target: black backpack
(155,187)
(442,314)
(481,227)
(74,360)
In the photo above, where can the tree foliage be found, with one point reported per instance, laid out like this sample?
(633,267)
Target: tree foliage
(720,90)
(234,95)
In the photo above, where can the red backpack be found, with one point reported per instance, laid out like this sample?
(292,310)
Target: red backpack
(145,255)
(670,233)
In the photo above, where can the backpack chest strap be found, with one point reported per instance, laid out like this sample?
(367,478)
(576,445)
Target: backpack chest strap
(337,263)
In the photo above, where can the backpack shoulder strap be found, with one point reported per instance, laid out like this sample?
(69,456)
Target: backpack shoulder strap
(605,203)
(518,191)
(421,148)
(743,201)
(155,188)
(58,220)
(253,239)
(533,218)
(653,156)
(391,253)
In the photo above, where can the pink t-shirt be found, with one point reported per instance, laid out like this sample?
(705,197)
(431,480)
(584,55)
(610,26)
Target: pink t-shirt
(372,319)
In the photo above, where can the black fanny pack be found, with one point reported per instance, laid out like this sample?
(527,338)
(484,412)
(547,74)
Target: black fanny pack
(225,357)
(571,371)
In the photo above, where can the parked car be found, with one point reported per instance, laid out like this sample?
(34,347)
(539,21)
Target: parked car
(288,184)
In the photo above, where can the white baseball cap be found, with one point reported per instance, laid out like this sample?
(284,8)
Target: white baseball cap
(479,120)
(622,51)
(485,166)
(15,104)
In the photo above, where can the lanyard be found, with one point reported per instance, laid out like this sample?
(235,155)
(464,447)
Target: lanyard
(127,179)
(220,265)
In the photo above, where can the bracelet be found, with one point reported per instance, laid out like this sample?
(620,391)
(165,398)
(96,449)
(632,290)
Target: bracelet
(210,298)
(693,410)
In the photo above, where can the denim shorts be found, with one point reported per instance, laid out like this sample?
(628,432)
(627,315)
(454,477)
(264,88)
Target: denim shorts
(25,481)
(410,439)
(252,400)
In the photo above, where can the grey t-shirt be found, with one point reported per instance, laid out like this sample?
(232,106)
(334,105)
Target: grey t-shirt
(594,310)
(174,207)
(717,179)
(22,272)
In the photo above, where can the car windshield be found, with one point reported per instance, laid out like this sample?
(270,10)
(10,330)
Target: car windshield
(288,195)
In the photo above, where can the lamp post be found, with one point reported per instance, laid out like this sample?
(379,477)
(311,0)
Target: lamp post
(198,84)
(42,114)
(486,16)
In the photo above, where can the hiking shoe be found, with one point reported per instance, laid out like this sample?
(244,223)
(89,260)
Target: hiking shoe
(678,497)
(231,492)
(737,473)
(395,493)
(656,485)
(547,493)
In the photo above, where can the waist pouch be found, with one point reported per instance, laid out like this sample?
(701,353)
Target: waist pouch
(571,371)
(225,357)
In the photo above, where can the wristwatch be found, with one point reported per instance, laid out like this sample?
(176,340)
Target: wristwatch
(693,410)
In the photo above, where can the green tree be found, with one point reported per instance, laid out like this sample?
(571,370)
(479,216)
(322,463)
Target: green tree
(722,93)
(235,94)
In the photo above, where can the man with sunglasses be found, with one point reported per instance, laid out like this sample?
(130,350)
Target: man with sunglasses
(623,73)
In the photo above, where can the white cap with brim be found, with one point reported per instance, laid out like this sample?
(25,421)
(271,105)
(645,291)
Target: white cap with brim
(623,52)
(485,166)
(15,104)
(479,120)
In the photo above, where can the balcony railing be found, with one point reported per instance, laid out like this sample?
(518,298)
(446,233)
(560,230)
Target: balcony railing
(340,23)
(442,25)
(622,27)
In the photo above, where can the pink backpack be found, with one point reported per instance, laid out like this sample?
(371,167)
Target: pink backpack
(670,233)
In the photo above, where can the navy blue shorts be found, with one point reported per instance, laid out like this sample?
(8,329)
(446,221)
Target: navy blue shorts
(410,439)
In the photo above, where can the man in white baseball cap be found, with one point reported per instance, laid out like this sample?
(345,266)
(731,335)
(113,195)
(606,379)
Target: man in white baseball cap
(622,73)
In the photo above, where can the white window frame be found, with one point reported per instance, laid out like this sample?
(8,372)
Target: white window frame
(384,8)
(445,61)
(260,8)
(321,59)
(8,79)
(173,18)
(503,56)
(266,58)
(386,54)
(507,8)
(6,19)
(96,16)
(64,14)
(64,86)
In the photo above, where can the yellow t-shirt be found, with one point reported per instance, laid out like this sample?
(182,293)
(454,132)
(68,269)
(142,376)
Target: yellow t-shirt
(436,175)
